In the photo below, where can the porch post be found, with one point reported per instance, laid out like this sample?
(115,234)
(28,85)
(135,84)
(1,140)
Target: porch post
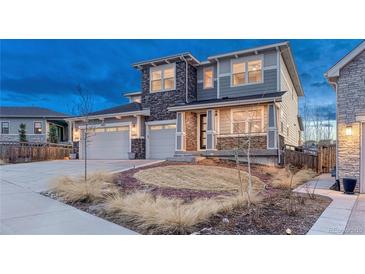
(69,131)
(180,132)
(211,129)
(272,130)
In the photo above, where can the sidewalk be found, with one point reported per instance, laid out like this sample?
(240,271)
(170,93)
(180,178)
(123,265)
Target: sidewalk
(341,215)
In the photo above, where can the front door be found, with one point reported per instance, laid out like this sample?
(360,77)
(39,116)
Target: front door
(203,131)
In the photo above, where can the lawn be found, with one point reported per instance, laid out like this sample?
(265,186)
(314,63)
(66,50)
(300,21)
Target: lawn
(206,198)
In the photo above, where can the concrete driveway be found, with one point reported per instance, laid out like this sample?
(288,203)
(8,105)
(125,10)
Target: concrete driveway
(24,211)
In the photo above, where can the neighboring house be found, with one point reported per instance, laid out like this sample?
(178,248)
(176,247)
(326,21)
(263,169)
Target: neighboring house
(347,77)
(37,121)
(187,107)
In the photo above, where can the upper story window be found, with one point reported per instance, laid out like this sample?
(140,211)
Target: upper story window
(238,74)
(247,121)
(162,78)
(4,127)
(37,127)
(208,81)
(246,72)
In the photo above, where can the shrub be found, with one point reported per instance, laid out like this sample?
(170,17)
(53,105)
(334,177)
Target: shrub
(97,187)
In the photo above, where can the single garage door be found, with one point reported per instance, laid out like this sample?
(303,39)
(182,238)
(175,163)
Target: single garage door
(161,141)
(107,143)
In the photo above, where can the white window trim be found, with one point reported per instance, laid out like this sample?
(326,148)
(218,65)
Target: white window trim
(246,126)
(34,128)
(162,68)
(213,77)
(245,60)
(1,130)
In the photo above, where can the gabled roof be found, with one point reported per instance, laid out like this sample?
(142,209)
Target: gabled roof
(30,112)
(335,70)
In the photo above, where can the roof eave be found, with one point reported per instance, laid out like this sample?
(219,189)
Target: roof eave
(334,71)
(246,51)
(166,60)
(144,112)
(225,104)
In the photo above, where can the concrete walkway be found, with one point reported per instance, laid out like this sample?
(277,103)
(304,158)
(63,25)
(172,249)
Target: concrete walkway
(24,211)
(341,214)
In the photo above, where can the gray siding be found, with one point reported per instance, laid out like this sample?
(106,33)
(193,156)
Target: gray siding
(14,125)
(269,85)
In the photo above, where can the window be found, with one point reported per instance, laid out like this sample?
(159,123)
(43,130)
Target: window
(37,127)
(208,81)
(247,121)
(253,75)
(238,74)
(4,127)
(162,78)
(254,71)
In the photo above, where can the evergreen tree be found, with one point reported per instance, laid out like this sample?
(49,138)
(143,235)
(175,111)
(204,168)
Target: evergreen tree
(22,132)
(52,134)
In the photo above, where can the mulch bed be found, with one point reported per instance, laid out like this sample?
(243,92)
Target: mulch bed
(268,217)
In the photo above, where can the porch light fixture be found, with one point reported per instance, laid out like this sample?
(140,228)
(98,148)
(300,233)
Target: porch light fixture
(349,131)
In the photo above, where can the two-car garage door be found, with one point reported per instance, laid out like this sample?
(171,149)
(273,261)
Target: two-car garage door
(161,141)
(107,143)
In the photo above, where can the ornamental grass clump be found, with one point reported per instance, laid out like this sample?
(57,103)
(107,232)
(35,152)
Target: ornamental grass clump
(96,188)
(158,214)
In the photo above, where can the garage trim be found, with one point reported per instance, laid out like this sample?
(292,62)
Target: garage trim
(152,123)
(106,125)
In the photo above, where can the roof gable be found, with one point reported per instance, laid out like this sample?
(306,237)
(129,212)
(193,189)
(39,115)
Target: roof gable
(335,70)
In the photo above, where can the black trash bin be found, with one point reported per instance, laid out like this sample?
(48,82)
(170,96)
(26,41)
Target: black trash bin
(349,185)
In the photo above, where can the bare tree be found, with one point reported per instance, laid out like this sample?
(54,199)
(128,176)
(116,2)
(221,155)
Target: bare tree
(83,107)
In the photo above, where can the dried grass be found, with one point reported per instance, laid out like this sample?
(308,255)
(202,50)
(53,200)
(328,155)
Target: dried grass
(283,176)
(160,214)
(197,177)
(97,187)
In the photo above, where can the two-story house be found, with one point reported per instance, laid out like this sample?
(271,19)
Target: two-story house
(204,108)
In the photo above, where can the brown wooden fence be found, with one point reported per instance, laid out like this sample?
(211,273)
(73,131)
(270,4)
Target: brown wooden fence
(17,152)
(322,160)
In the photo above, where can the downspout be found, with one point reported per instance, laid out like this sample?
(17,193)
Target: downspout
(186,80)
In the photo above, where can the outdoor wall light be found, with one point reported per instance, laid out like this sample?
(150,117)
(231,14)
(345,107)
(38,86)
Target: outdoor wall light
(349,131)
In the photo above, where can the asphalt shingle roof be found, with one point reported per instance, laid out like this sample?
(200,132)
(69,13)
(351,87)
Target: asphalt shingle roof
(29,112)
(119,109)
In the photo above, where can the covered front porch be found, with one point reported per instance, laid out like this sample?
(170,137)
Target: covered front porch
(223,130)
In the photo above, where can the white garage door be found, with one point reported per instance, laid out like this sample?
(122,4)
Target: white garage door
(161,141)
(107,143)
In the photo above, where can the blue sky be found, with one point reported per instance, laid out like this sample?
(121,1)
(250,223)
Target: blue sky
(45,72)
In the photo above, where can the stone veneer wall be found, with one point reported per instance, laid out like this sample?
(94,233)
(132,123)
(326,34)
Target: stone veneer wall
(139,148)
(350,102)
(158,102)
(230,143)
(191,131)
